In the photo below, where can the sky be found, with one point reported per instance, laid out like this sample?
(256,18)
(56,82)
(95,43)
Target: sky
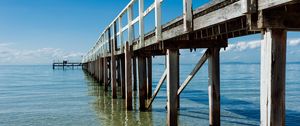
(40,31)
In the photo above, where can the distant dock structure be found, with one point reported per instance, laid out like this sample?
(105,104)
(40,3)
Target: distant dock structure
(66,64)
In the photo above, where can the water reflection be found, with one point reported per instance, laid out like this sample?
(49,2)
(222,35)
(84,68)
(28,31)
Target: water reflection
(112,112)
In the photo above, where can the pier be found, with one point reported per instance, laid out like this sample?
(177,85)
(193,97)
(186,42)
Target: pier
(208,27)
(66,64)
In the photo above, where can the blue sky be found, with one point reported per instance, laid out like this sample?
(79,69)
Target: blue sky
(39,31)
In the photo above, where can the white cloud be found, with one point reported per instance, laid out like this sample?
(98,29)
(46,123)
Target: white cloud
(242,46)
(10,55)
(294,42)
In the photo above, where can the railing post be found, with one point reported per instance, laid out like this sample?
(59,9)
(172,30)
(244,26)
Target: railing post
(121,33)
(158,20)
(130,28)
(187,15)
(141,22)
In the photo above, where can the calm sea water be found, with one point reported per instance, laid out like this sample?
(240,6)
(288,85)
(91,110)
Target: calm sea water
(40,96)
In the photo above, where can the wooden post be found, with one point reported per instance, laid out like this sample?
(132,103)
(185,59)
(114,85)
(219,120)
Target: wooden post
(128,78)
(105,77)
(141,23)
(134,74)
(272,90)
(123,77)
(157,19)
(119,71)
(187,15)
(96,69)
(172,81)
(214,86)
(142,82)
(101,70)
(113,63)
(113,75)
(149,77)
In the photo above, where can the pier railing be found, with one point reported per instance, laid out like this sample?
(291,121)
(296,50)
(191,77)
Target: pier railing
(113,33)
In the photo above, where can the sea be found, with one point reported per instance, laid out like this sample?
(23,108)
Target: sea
(37,95)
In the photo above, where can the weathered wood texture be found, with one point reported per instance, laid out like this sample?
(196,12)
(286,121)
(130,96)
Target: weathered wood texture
(272,90)
(123,77)
(105,73)
(142,82)
(285,17)
(172,81)
(214,86)
(113,73)
(264,4)
(134,74)
(101,70)
(149,77)
(128,77)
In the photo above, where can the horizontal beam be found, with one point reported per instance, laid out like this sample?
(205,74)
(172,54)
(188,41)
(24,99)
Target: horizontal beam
(185,44)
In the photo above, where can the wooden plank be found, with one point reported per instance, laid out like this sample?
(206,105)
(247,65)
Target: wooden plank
(128,77)
(172,81)
(142,82)
(149,77)
(214,86)
(272,92)
(160,82)
(221,15)
(193,73)
(264,4)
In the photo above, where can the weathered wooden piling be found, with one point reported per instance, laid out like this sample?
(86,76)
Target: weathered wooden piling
(272,90)
(134,74)
(128,77)
(149,77)
(214,86)
(172,79)
(105,73)
(142,81)
(123,80)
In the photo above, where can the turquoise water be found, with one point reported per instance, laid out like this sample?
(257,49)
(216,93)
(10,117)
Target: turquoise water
(40,96)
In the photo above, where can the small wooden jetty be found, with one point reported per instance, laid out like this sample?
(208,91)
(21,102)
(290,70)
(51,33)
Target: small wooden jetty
(66,64)
(209,27)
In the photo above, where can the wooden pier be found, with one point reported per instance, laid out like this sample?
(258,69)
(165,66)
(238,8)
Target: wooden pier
(209,27)
(66,64)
